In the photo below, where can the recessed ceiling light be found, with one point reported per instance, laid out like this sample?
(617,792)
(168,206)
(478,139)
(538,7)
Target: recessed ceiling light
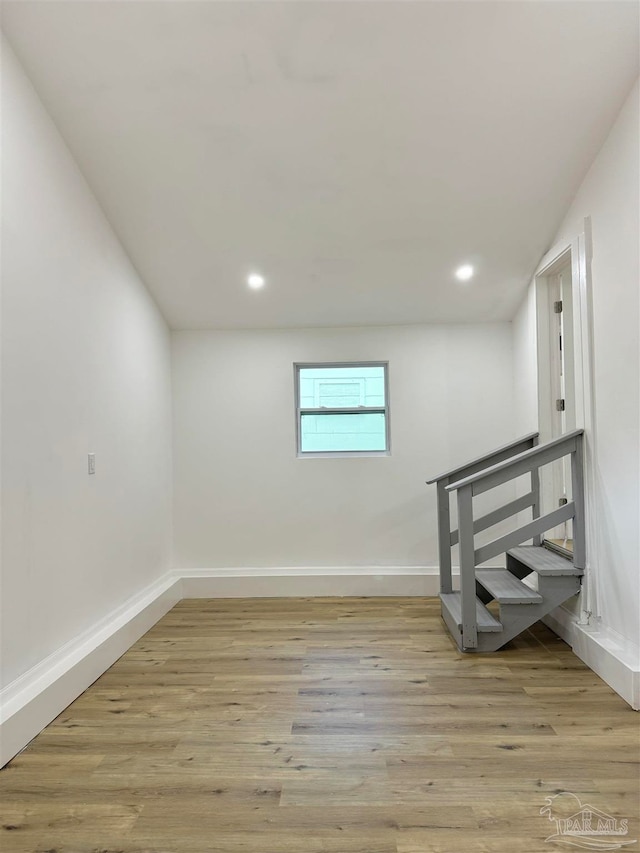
(255,281)
(464,273)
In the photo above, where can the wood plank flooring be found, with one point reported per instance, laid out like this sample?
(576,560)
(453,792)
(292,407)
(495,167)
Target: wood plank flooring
(322,726)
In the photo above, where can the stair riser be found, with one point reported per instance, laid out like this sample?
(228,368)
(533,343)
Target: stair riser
(519,617)
(484,596)
(517,569)
(521,570)
(558,589)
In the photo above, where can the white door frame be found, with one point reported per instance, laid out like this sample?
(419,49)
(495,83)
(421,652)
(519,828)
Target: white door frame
(578,249)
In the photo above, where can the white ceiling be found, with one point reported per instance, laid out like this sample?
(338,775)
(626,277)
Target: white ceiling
(355,153)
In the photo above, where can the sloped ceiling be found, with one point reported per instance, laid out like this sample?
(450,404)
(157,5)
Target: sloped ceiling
(354,153)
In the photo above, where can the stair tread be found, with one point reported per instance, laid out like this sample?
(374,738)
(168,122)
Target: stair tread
(486,621)
(506,588)
(543,561)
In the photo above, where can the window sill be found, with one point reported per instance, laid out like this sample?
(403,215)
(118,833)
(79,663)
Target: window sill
(342,454)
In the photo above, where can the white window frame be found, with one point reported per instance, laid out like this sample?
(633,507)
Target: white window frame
(358,410)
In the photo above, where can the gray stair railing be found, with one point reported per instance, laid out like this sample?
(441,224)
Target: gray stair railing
(523,456)
(448,538)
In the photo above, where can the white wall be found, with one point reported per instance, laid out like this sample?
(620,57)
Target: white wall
(85,367)
(243,499)
(525,366)
(609,195)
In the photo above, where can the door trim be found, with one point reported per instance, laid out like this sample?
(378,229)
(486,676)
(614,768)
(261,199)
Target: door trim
(579,250)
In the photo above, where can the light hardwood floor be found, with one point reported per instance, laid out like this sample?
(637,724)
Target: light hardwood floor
(322,726)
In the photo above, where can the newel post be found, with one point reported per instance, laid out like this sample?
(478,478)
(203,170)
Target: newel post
(444,537)
(467,568)
(577,493)
(535,491)
(535,502)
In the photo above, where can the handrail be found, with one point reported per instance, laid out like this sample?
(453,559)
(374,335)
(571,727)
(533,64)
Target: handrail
(521,464)
(482,462)
(505,451)
(478,478)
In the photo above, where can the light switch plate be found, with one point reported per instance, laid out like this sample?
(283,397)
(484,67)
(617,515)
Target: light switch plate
(92,463)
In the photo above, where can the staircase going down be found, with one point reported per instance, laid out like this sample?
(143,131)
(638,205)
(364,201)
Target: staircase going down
(495,605)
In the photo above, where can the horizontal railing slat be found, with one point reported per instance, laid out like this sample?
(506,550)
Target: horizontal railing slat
(515,466)
(527,531)
(495,456)
(497,515)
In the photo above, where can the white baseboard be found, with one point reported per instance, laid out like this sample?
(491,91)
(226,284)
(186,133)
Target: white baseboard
(609,655)
(30,702)
(310,581)
(34,699)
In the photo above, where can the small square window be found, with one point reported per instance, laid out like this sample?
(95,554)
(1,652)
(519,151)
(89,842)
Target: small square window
(342,408)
